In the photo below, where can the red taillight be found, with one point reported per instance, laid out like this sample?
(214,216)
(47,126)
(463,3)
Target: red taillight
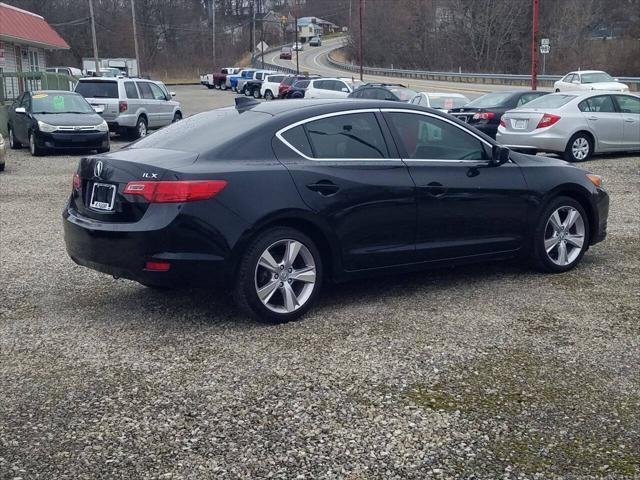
(76,181)
(484,116)
(503,123)
(178,191)
(158,266)
(122,106)
(547,120)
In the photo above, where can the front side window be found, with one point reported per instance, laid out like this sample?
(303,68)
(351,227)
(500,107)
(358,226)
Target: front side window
(427,138)
(130,88)
(628,104)
(600,104)
(348,136)
(158,94)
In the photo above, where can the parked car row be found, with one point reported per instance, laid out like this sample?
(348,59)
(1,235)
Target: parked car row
(49,120)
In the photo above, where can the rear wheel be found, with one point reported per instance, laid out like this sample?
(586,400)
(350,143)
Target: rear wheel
(279,276)
(557,90)
(246,91)
(561,236)
(13,143)
(140,130)
(268,95)
(579,148)
(256,93)
(223,86)
(35,150)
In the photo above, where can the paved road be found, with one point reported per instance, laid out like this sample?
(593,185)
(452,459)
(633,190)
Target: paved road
(314,60)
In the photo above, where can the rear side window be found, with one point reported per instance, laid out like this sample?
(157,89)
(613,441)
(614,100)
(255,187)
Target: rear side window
(298,140)
(601,104)
(97,89)
(130,88)
(628,104)
(349,136)
(427,138)
(145,90)
(275,78)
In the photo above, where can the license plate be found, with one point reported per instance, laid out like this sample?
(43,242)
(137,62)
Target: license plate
(103,196)
(520,124)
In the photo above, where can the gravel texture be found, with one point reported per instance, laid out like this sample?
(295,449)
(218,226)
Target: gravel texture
(489,371)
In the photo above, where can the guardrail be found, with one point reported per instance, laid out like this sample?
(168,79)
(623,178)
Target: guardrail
(12,84)
(481,78)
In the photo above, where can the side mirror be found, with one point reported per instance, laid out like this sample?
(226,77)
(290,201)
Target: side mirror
(21,110)
(499,155)
(173,94)
(616,79)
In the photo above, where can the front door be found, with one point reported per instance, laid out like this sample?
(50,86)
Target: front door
(346,171)
(22,121)
(465,207)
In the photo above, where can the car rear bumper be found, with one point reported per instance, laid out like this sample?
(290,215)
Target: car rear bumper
(544,140)
(123,250)
(64,141)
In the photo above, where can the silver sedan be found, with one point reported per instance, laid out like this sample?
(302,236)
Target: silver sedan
(574,124)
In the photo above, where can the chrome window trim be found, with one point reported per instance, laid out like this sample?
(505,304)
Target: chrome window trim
(283,130)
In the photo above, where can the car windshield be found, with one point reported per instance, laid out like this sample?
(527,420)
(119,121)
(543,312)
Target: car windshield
(490,100)
(59,102)
(596,77)
(286,49)
(443,102)
(97,89)
(555,100)
(404,94)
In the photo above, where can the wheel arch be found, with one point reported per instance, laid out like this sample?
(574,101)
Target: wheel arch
(321,236)
(580,195)
(588,132)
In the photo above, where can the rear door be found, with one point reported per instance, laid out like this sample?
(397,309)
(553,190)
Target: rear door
(629,107)
(465,207)
(347,172)
(605,121)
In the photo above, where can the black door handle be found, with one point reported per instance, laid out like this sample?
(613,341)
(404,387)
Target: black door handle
(435,189)
(324,187)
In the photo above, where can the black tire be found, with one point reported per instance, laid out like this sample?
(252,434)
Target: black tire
(210,87)
(2,167)
(268,95)
(34,149)
(574,150)
(103,150)
(539,257)
(557,90)
(256,93)
(245,293)
(13,143)
(176,117)
(246,91)
(223,86)
(138,131)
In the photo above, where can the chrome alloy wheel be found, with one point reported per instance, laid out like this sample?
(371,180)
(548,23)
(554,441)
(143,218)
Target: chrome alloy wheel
(285,276)
(142,129)
(580,148)
(564,236)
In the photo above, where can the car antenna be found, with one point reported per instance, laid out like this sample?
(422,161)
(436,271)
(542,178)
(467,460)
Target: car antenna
(244,103)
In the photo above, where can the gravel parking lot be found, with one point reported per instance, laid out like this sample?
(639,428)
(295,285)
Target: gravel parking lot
(488,371)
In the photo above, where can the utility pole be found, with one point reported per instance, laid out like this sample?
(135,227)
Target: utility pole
(93,35)
(261,32)
(360,47)
(253,27)
(213,34)
(135,37)
(295,13)
(350,24)
(534,46)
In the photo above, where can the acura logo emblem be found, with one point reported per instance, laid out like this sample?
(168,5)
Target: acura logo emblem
(97,170)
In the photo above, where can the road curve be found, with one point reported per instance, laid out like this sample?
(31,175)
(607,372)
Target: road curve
(314,60)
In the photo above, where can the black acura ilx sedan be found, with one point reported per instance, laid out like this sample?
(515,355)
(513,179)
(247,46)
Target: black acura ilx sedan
(271,201)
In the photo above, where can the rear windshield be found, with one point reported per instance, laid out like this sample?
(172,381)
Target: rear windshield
(596,77)
(447,102)
(97,89)
(555,100)
(404,94)
(490,100)
(205,131)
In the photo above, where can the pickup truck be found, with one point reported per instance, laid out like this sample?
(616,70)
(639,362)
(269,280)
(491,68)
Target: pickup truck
(232,80)
(219,80)
(252,85)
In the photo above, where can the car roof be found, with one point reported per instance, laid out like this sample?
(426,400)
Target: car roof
(313,106)
(587,71)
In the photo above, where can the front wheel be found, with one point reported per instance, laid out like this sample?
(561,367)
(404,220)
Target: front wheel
(256,93)
(176,117)
(561,237)
(34,149)
(279,276)
(223,86)
(579,148)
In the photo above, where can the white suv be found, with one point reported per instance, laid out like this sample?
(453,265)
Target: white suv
(328,88)
(270,86)
(131,106)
